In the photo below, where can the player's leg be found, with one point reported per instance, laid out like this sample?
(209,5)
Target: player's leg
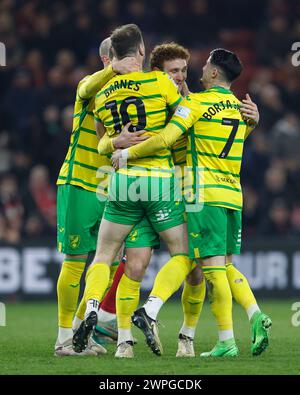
(240,288)
(120,215)
(68,287)
(168,280)
(107,309)
(192,299)
(92,227)
(207,230)
(74,240)
(107,329)
(128,295)
(139,245)
(110,239)
(220,298)
(167,218)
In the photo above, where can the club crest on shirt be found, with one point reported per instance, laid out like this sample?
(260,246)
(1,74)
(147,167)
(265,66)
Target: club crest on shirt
(74,241)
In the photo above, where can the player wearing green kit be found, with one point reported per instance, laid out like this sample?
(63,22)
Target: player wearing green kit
(217,132)
(79,211)
(172,59)
(146,186)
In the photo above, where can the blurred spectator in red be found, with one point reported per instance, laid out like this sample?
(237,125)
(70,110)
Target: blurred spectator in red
(11,208)
(41,196)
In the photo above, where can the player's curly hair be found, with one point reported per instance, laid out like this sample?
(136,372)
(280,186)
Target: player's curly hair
(165,52)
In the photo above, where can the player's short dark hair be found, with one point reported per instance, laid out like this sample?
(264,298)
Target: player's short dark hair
(228,62)
(168,51)
(125,40)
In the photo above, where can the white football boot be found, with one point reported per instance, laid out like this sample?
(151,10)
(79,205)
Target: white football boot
(66,350)
(124,350)
(185,346)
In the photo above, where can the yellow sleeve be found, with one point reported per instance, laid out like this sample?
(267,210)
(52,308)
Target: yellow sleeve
(164,139)
(89,86)
(168,90)
(105,145)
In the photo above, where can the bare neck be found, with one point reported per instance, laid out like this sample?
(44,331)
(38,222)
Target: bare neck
(221,84)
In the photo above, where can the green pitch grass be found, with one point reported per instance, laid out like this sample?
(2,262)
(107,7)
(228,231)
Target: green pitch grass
(26,345)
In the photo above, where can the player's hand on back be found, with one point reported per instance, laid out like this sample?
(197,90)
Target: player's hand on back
(249,111)
(126,138)
(126,65)
(117,160)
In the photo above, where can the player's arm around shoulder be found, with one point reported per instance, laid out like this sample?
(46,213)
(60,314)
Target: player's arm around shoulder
(89,86)
(188,112)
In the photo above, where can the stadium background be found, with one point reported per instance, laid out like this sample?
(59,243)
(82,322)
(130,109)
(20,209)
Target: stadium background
(51,45)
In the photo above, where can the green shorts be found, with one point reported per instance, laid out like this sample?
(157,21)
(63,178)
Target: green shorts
(79,213)
(142,235)
(214,231)
(133,197)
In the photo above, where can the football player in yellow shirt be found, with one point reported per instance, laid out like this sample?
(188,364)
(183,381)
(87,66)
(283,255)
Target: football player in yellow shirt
(138,244)
(217,131)
(146,186)
(172,59)
(77,182)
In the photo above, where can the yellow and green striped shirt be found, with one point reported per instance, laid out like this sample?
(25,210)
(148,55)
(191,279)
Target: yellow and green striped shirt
(215,146)
(143,99)
(83,166)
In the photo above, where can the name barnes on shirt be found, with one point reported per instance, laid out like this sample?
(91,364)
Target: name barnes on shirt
(122,84)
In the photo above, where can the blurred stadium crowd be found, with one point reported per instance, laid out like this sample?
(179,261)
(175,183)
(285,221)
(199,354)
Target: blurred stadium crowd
(51,45)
